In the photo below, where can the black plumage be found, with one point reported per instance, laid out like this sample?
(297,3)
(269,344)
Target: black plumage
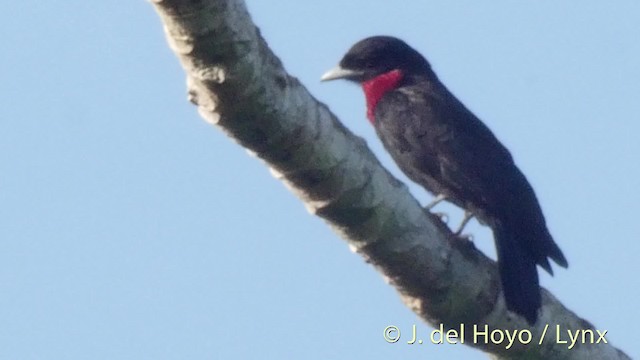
(444,147)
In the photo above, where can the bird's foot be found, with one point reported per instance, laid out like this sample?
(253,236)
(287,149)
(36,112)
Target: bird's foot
(466,237)
(443,216)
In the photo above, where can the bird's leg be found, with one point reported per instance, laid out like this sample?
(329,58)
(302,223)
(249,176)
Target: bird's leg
(465,220)
(438,199)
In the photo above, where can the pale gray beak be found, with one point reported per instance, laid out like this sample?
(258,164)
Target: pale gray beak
(339,73)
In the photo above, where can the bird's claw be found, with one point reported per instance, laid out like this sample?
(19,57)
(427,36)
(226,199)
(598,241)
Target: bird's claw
(444,217)
(467,237)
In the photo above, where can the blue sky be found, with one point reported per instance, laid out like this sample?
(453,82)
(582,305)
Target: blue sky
(131,229)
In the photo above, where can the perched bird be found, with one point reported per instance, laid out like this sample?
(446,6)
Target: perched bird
(444,147)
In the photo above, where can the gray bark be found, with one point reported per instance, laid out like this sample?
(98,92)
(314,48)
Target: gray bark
(240,86)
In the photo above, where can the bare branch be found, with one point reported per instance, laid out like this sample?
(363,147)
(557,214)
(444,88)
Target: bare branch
(240,86)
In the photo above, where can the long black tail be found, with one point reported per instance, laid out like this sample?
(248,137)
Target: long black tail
(518,272)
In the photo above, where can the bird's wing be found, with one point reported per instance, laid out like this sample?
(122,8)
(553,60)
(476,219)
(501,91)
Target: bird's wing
(441,145)
(473,163)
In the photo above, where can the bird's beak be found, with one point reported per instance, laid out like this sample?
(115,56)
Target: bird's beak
(340,73)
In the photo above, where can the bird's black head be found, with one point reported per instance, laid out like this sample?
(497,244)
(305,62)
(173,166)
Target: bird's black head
(375,56)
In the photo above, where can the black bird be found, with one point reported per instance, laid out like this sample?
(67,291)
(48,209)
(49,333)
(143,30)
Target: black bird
(444,147)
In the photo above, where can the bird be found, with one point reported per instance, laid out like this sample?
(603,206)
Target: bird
(442,146)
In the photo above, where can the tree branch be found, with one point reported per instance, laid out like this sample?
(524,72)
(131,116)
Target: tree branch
(240,86)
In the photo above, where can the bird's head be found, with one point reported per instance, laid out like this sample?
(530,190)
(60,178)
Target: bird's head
(375,56)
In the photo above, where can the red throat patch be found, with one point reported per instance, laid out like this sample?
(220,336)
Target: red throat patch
(374,89)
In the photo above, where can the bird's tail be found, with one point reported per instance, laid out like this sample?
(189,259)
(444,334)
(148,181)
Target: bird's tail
(518,272)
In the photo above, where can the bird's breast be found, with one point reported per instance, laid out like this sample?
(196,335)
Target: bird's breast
(377,87)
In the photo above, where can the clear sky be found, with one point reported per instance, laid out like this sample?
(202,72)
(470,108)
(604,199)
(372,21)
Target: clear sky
(131,229)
